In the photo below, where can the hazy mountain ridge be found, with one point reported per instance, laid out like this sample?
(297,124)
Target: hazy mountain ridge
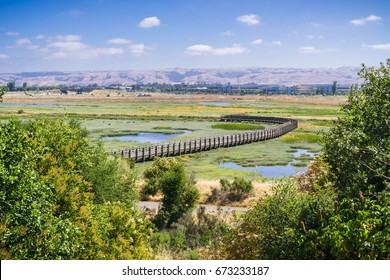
(281,76)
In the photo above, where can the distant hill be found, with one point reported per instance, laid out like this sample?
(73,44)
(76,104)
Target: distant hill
(281,76)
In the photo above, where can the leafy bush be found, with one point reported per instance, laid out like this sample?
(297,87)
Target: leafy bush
(153,175)
(360,229)
(357,151)
(277,227)
(179,194)
(47,197)
(357,148)
(2,92)
(340,210)
(237,190)
(193,237)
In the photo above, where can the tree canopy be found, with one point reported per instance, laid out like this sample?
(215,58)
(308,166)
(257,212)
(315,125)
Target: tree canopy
(340,208)
(48,189)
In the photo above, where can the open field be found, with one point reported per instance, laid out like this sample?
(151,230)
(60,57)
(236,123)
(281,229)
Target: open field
(124,114)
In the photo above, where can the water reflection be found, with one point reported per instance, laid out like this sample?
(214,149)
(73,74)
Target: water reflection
(145,137)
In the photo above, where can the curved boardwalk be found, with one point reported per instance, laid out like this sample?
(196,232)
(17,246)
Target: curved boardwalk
(146,153)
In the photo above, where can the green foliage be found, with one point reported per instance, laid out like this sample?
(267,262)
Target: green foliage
(357,149)
(179,194)
(202,235)
(154,173)
(237,190)
(2,92)
(47,194)
(123,233)
(277,227)
(340,209)
(237,126)
(113,179)
(359,230)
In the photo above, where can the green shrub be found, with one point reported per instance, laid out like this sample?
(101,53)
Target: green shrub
(47,190)
(194,236)
(237,190)
(277,227)
(168,176)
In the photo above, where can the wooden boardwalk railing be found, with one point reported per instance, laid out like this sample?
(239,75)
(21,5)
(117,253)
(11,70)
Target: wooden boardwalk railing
(146,153)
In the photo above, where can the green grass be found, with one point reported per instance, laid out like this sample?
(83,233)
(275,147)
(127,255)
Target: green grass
(267,153)
(122,118)
(297,137)
(237,126)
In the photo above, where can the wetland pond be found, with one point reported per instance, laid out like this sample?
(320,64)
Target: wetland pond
(276,170)
(146,137)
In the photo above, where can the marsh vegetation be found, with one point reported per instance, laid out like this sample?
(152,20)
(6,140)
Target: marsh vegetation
(62,190)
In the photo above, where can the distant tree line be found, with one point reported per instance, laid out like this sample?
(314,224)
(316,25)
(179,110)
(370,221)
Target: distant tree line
(202,88)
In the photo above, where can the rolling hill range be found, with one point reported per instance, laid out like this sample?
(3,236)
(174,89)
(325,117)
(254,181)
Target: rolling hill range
(281,76)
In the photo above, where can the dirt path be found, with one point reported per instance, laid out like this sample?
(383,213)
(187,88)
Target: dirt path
(154,206)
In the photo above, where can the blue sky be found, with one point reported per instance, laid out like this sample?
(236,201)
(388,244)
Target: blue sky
(59,35)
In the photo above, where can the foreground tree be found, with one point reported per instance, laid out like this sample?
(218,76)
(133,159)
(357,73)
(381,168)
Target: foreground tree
(168,176)
(2,92)
(357,150)
(47,197)
(339,209)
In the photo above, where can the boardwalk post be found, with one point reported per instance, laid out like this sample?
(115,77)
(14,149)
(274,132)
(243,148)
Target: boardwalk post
(149,152)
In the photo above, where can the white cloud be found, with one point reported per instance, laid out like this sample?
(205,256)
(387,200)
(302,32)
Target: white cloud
(203,50)
(139,49)
(385,47)
(22,42)
(12,33)
(228,33)
(313,50)
(308,49)
(118,41)
(251,19)
(314,37)
(363,21)
(276,43)
(70,48)
(257,42)
(149,22)
(4,56)
(69,38)
(87,53)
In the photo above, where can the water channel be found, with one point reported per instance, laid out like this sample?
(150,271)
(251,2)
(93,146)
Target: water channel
(146,137)
(276,170)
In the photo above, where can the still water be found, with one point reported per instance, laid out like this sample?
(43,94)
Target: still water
(145,137)
(273,171)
